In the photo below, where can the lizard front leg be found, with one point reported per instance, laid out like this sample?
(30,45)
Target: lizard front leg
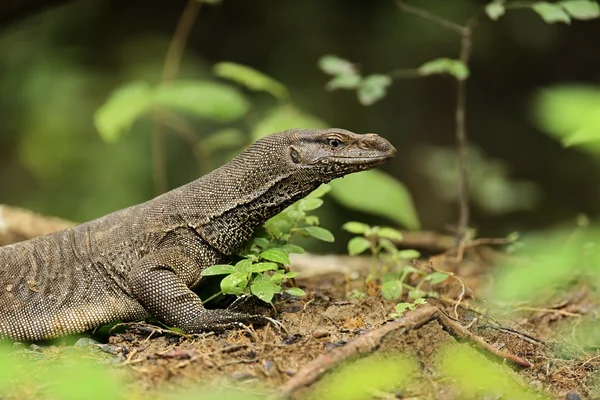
(161,282)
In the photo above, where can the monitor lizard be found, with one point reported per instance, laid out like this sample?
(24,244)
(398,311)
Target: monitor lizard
(146,259)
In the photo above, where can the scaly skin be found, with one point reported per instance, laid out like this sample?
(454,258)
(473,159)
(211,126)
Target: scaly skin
(146,259)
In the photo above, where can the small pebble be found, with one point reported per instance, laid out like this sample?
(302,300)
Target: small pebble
(321,334)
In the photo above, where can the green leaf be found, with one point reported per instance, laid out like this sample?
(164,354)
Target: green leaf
(252,79)
(570,113)
(409,254)
(290,275)
(318,233)
(376,193)
(320,191)
(358,245)
(416,294)
(264,289)
(311,220)
(436,277)
(295,292)
(223,139)
(581,9)
(219,269)
(401,308)
(203,99)
(292,248)
(344,82)
(295,215)
(388,245)
(310,203)
(551,13)
(284,118)
(495,10)
(261,242)
(392,290)
(390,233)
(124,106)
(373,88)
(263,266)
(234,283)
(278,227)
(334,65)
(276,255)
(277,277)
(243,266)
(456,68)
(357,228)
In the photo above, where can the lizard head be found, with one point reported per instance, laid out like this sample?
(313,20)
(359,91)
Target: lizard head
(332,153)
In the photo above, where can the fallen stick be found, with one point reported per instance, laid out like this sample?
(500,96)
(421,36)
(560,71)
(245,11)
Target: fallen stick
(18,224)
(371,341)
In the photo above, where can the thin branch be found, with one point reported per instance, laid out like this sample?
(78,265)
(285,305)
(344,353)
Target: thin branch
(462,143)
(444,23)
(169,72)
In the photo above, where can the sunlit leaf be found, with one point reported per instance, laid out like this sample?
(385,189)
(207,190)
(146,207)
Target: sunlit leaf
(318,233)
(392,290)
(344,82)
(334,65)
(264,288)
(124,106)
(376,193)
(357,228)
(495,10)
(456,68)
(581,9)
(569,112)
(263,266)
(202,99)
(373,88)
(251,78)
(358,245)
(276,255)
(436,277)
(409,254)
(295,292)
(310,203)
(243,266)
(320,191)
(220,269)
(389,233)
(284,118)
(292,248)
(234,283)
(551,13)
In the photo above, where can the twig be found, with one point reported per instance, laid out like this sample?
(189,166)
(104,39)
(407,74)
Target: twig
(362,345)
(169,72)
(444,23)
(461,331)
(371,341)
(460,129)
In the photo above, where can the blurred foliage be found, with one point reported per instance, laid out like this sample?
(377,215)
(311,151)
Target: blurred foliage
(548,263)
(570,113)
(490,185)
(364,378)
(477,377)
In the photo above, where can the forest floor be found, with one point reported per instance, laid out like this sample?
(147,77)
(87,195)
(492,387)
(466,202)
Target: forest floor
(327,328)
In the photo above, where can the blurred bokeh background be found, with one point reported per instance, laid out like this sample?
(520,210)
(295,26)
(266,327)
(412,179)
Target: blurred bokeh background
(61,60)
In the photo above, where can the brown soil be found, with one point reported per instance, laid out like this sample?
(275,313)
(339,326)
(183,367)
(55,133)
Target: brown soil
(326,319)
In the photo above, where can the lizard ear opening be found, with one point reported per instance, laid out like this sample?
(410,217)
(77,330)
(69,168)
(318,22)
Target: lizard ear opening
(295,155)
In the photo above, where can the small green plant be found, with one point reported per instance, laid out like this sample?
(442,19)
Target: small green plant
(262,270)
(384,252)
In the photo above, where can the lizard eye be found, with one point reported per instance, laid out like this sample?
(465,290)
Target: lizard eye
(334,143)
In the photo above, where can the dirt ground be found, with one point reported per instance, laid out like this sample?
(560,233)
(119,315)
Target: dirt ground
(326,324)
(326,319)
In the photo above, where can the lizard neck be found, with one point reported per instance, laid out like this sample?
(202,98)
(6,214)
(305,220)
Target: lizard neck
(228,204)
